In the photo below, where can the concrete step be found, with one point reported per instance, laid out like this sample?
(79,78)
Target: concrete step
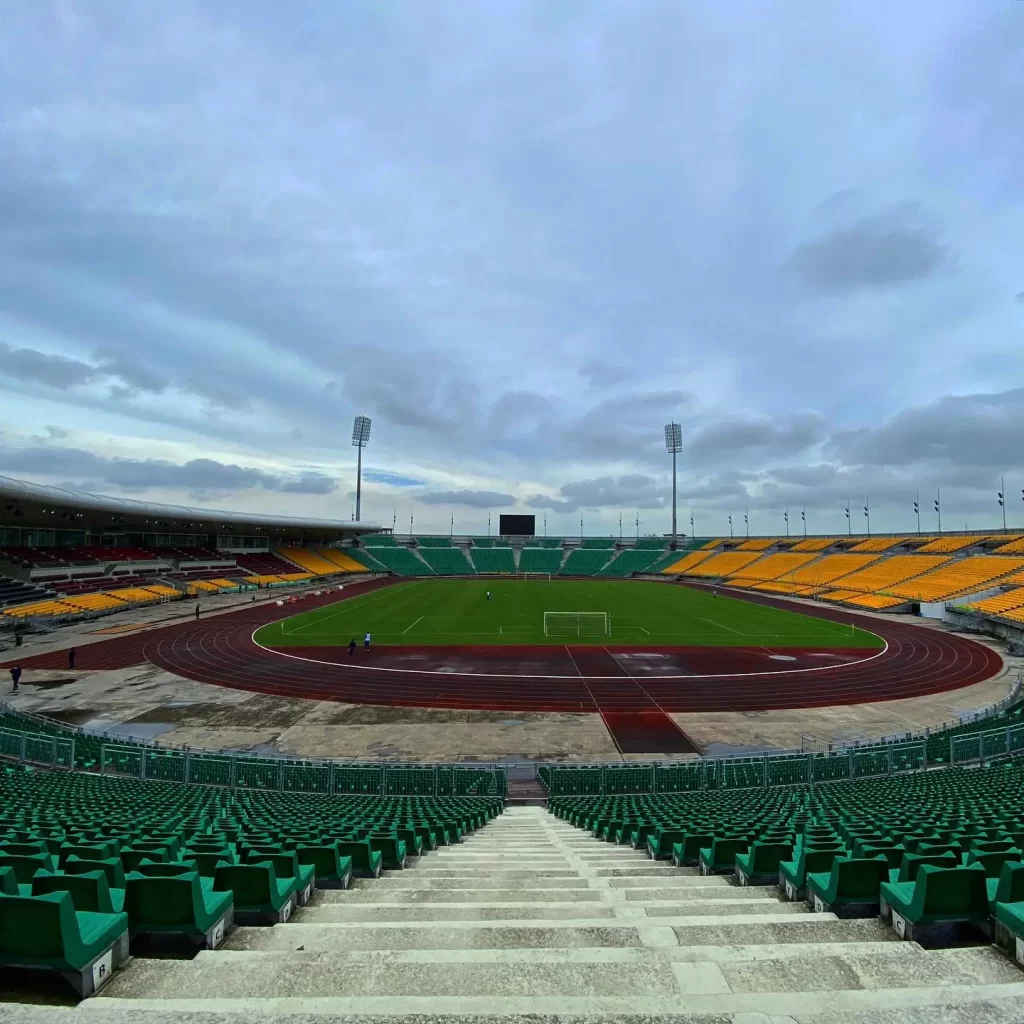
(667,897)
(243,976)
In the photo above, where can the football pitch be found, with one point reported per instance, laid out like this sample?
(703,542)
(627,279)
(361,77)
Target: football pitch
(600,612)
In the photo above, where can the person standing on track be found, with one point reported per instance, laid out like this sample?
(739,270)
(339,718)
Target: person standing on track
(352,647)
(197,613)
(15,677)
(366,642)
(71,657)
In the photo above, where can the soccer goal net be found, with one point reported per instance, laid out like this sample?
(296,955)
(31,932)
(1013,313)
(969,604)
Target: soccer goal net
(577,624)
(534,576)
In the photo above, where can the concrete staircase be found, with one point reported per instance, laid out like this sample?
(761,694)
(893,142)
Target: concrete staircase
(532,916)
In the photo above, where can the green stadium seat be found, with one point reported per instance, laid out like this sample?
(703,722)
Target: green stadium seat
(760,864)
(912,863)
(1008,887)
(1009,929)
(720,857)
(26,865)
(260,897)
(46,933)
(940,896)
(89,891)
(178,907)
(334,862)
(287,866)
(851,888)
(993,862)
(793,873)
(111,867)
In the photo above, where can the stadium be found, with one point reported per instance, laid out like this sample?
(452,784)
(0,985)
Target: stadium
(650,651)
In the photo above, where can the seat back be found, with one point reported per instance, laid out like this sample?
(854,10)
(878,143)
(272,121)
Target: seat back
(993,862)
(952,890)
(913,862)
(8,882)
(111,867)
(36,926)
(162,901)
(860,877)
(251,883)
(89,892)
(768,856)
(26,865)
(1011,883)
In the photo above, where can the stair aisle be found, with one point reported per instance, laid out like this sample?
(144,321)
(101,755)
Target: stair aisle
(532,916)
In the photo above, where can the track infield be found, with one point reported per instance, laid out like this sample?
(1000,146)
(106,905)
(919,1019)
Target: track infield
(601,613)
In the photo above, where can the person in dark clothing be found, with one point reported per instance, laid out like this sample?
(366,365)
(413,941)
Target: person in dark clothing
(197,613)
(71,658)
(15,677)
(352,647)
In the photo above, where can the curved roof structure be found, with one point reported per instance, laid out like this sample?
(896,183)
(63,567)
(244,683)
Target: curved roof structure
(27,504)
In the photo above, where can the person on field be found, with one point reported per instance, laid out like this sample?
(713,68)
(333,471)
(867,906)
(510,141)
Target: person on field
(366,642)
(15,677)
(197,613)
(488,595)
(71,658)
(352,647)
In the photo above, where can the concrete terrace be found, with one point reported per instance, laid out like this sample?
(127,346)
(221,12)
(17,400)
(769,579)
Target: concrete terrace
(531,917)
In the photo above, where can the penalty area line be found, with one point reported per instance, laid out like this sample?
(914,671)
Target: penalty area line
(411,624)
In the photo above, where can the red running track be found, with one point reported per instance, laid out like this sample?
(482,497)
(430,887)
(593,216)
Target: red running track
(220,650)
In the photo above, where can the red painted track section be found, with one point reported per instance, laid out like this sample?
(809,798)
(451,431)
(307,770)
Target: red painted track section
(220,650)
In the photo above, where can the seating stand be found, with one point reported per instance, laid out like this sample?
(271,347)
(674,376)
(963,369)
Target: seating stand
(940,933)
(95,975)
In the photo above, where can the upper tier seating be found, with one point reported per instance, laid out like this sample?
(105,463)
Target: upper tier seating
(963,576)
(828,568)
(598,542)
(547,542)
(757,544)
(14,592)
(726,563)
(814,544)
(875,545)
(447,561)
(710,545)
(947,545)
(887,572)
(1011,547)
(34,558)
(434,542)
(586,561)
(650,542)
(265,564)
(379,540)
(482,542)
(685,563)
(1000,603)
(771,567)
(314,561)
(494,559)
(401,560)
(540,560)
(630,561)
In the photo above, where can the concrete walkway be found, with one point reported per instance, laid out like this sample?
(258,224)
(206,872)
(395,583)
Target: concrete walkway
(532,917)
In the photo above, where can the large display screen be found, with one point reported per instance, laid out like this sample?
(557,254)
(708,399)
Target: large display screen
(518,526)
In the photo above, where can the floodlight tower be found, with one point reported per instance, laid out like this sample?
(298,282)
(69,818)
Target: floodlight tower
(673,445)
(360,439)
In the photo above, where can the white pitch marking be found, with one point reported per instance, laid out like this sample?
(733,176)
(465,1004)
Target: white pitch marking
(407,628)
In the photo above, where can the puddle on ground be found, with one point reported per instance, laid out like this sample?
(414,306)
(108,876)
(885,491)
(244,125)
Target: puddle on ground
(726,749)
(47,684)
(511,721)
(74,716)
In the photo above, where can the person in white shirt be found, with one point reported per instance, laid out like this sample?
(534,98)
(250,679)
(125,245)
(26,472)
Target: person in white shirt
(366,642)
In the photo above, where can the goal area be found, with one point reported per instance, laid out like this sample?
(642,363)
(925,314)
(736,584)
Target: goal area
(546,576)
(577,624)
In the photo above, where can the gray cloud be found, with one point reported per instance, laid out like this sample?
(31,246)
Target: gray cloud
(468,498)
(198,476)
(759,438)
(634,490)
(881,251)
(27,364)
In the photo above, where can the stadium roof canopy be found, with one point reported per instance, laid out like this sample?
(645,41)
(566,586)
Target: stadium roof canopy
(36,506)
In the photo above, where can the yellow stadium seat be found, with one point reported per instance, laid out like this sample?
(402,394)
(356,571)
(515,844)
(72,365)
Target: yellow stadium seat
(885,573)
(757,544)
(773,566)
(344,562)
(725,564)
(814,544)
(876,602)
(1000,603)
(686,563)
(839,595)
(310,560)
(954,578)
(45,608)
(875,545)
(828,568)
(1014,546)
(947,545)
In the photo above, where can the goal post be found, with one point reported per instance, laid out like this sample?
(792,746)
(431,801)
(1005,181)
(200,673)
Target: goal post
(546,576)
(577,624)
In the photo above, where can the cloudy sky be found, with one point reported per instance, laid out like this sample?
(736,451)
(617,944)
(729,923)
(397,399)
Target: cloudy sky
(522,237)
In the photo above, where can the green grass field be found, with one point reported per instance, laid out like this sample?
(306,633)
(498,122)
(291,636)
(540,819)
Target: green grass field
(453,612)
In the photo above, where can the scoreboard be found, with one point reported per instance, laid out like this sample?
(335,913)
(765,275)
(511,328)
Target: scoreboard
(517,526)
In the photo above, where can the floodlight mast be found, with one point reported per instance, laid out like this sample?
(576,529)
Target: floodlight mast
(673,445)
(360,439)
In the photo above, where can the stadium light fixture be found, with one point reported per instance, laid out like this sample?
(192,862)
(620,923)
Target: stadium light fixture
(360,439)
(673,445)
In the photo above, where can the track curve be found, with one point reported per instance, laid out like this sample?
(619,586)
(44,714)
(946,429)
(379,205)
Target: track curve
(220,650)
